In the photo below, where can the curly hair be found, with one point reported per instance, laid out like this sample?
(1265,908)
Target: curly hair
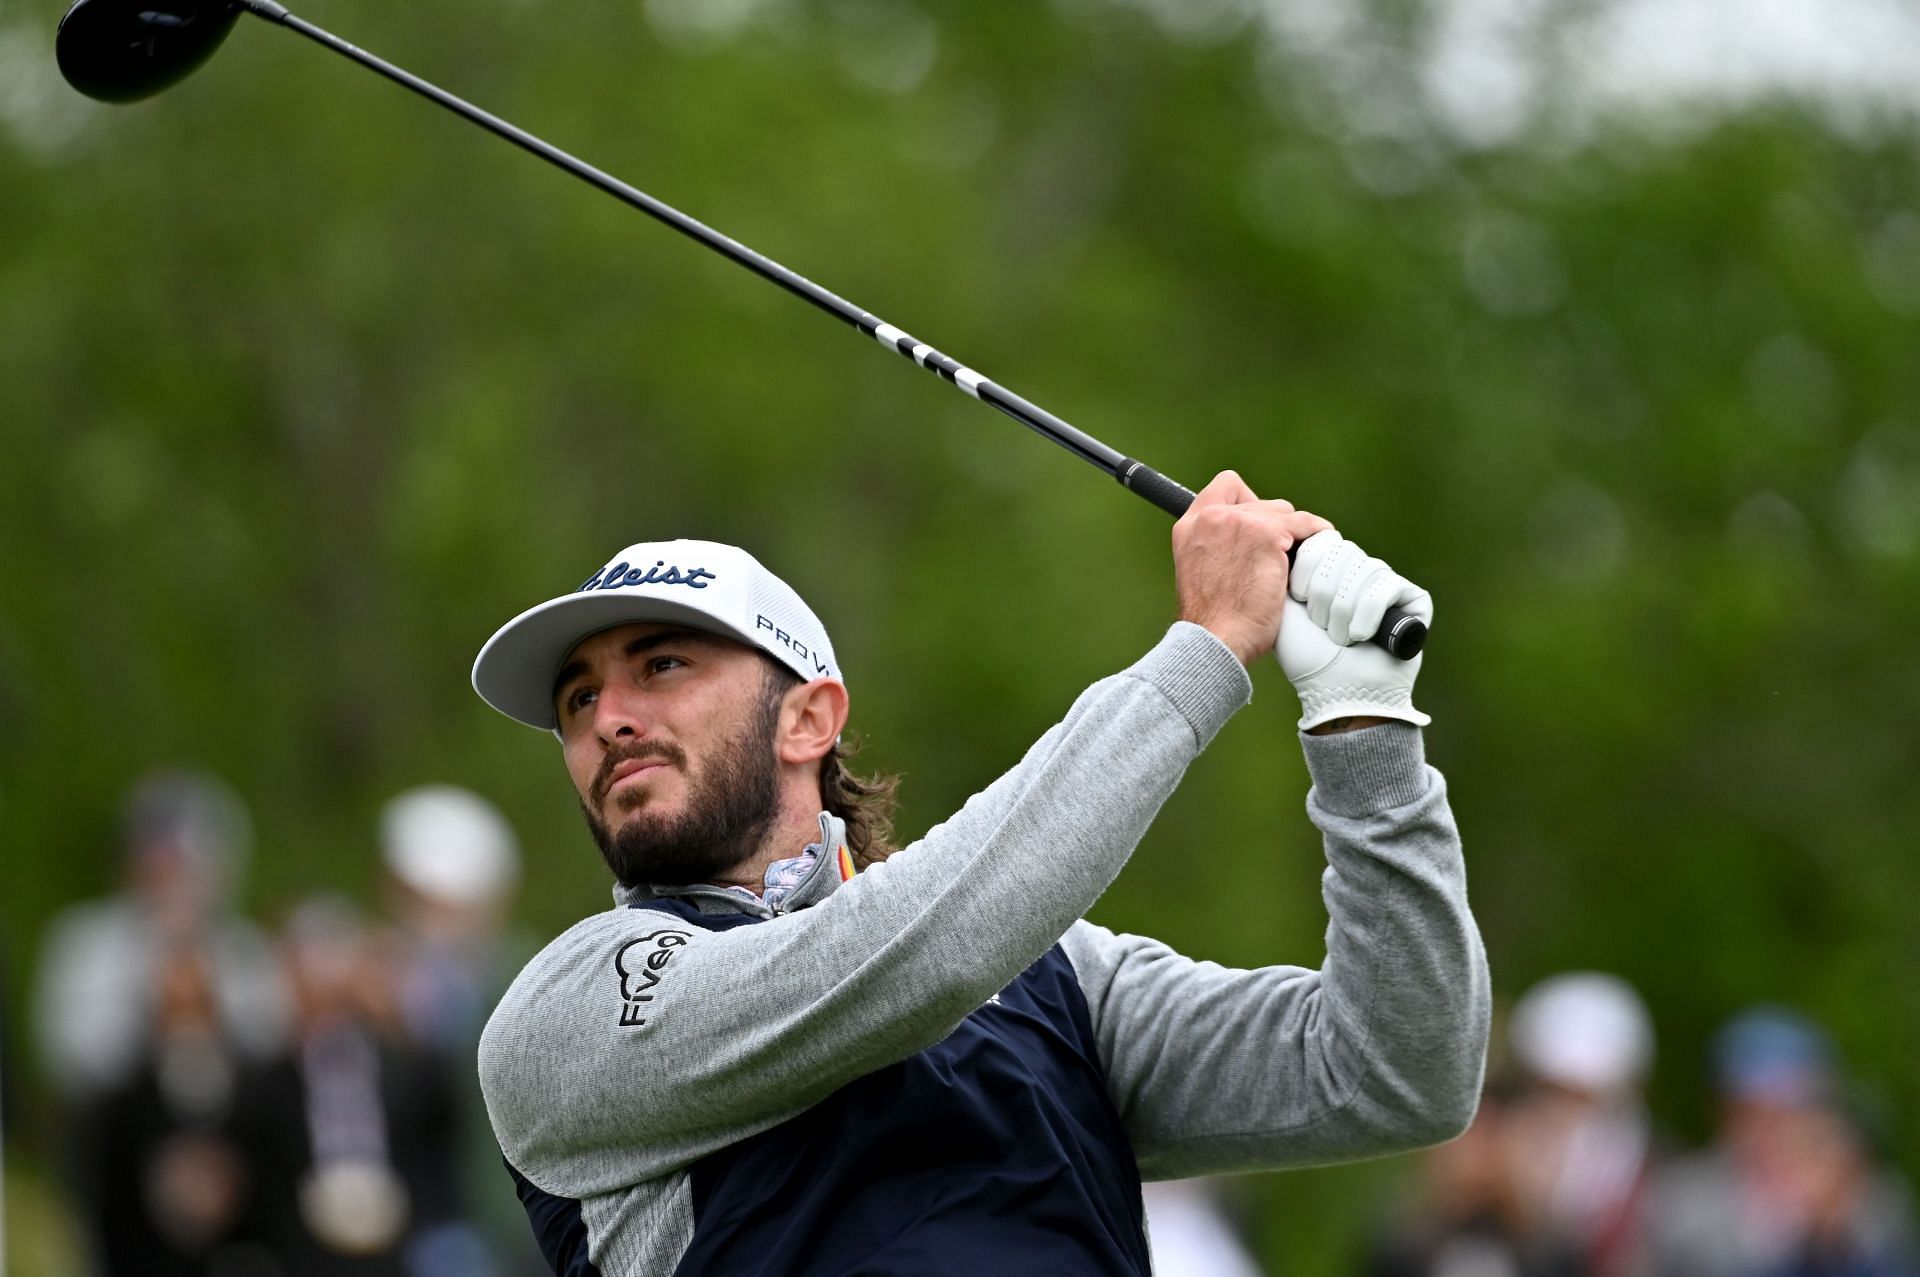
(865,803)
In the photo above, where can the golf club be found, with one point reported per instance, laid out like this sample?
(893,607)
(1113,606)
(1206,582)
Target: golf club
(126,50)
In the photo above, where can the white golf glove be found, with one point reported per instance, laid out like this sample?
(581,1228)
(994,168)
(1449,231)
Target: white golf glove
(1338,595)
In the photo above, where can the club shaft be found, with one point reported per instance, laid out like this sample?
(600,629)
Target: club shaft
(1020,409)
(1136,476)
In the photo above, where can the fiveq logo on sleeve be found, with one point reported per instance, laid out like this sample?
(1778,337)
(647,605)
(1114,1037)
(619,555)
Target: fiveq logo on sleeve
(640,964)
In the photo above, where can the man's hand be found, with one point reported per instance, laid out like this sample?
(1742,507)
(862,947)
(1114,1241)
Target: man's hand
(1340,595)
(1230,562)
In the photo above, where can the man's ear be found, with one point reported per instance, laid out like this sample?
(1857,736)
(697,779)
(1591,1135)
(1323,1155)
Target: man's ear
(812,716)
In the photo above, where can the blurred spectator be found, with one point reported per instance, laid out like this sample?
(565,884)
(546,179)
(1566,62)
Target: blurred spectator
(1472,1216)
(186,840)
(164,1170)
(1551,1179)
(1789,1188)
(453,865)
(1191,1233)
(148,1005)
(1580,1136)
(349,1134)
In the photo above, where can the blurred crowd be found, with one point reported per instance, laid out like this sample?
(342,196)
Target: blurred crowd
(239,1103)
(1563,1174)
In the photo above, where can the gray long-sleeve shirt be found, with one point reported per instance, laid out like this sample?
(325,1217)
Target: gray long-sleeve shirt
(1211,1069)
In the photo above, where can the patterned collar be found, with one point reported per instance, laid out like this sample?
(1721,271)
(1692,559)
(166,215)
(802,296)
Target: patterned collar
(793,883)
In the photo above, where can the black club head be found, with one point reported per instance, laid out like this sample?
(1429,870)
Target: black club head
(125,50)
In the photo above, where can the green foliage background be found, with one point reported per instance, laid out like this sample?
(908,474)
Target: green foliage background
(307,387)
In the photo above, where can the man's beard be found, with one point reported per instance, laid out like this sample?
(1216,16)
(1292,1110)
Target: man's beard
(730,806)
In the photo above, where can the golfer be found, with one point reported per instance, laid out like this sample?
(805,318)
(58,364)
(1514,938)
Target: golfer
(791,1051)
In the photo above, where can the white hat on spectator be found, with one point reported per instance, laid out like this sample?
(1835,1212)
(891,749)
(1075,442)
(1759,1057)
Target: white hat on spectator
(1584,1030)
(450,844)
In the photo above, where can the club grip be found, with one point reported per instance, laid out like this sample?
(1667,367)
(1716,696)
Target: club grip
(1143,480)
(1401,633)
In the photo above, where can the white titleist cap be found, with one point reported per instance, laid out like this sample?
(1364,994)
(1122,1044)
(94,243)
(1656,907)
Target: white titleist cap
(700,584)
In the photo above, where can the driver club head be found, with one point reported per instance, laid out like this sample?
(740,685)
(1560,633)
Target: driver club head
(125,50)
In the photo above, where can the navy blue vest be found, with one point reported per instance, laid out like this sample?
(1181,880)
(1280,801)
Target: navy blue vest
(994,1151)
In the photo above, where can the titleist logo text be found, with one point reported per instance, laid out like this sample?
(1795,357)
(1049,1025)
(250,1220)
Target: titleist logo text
(620,574)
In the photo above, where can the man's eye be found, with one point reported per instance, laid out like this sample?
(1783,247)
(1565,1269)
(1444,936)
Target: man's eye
(579,699)
(657,663)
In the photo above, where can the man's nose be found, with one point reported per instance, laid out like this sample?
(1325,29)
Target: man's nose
(619,713)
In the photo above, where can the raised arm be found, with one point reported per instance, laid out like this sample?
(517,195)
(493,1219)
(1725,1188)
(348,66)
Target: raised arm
(1382,1047)
(1378,1050)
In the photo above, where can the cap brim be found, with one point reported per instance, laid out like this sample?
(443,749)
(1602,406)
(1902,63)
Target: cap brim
(516,669)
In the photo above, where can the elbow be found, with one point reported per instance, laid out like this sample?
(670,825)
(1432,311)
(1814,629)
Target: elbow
(1416,1119)
(1435,1098)
(1402,1119)
(1399,1111)
(1452,1085)
(1447,1116)
(1446,1099)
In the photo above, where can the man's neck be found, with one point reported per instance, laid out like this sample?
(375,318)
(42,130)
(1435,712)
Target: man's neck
(794,828)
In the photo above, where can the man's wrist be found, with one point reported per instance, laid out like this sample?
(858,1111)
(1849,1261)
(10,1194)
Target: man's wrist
(1235,637)
(1364,773)
(1334,726)
(1201,675)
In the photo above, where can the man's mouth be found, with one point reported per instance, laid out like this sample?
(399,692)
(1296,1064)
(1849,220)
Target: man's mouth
(631,768)
(626,770)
